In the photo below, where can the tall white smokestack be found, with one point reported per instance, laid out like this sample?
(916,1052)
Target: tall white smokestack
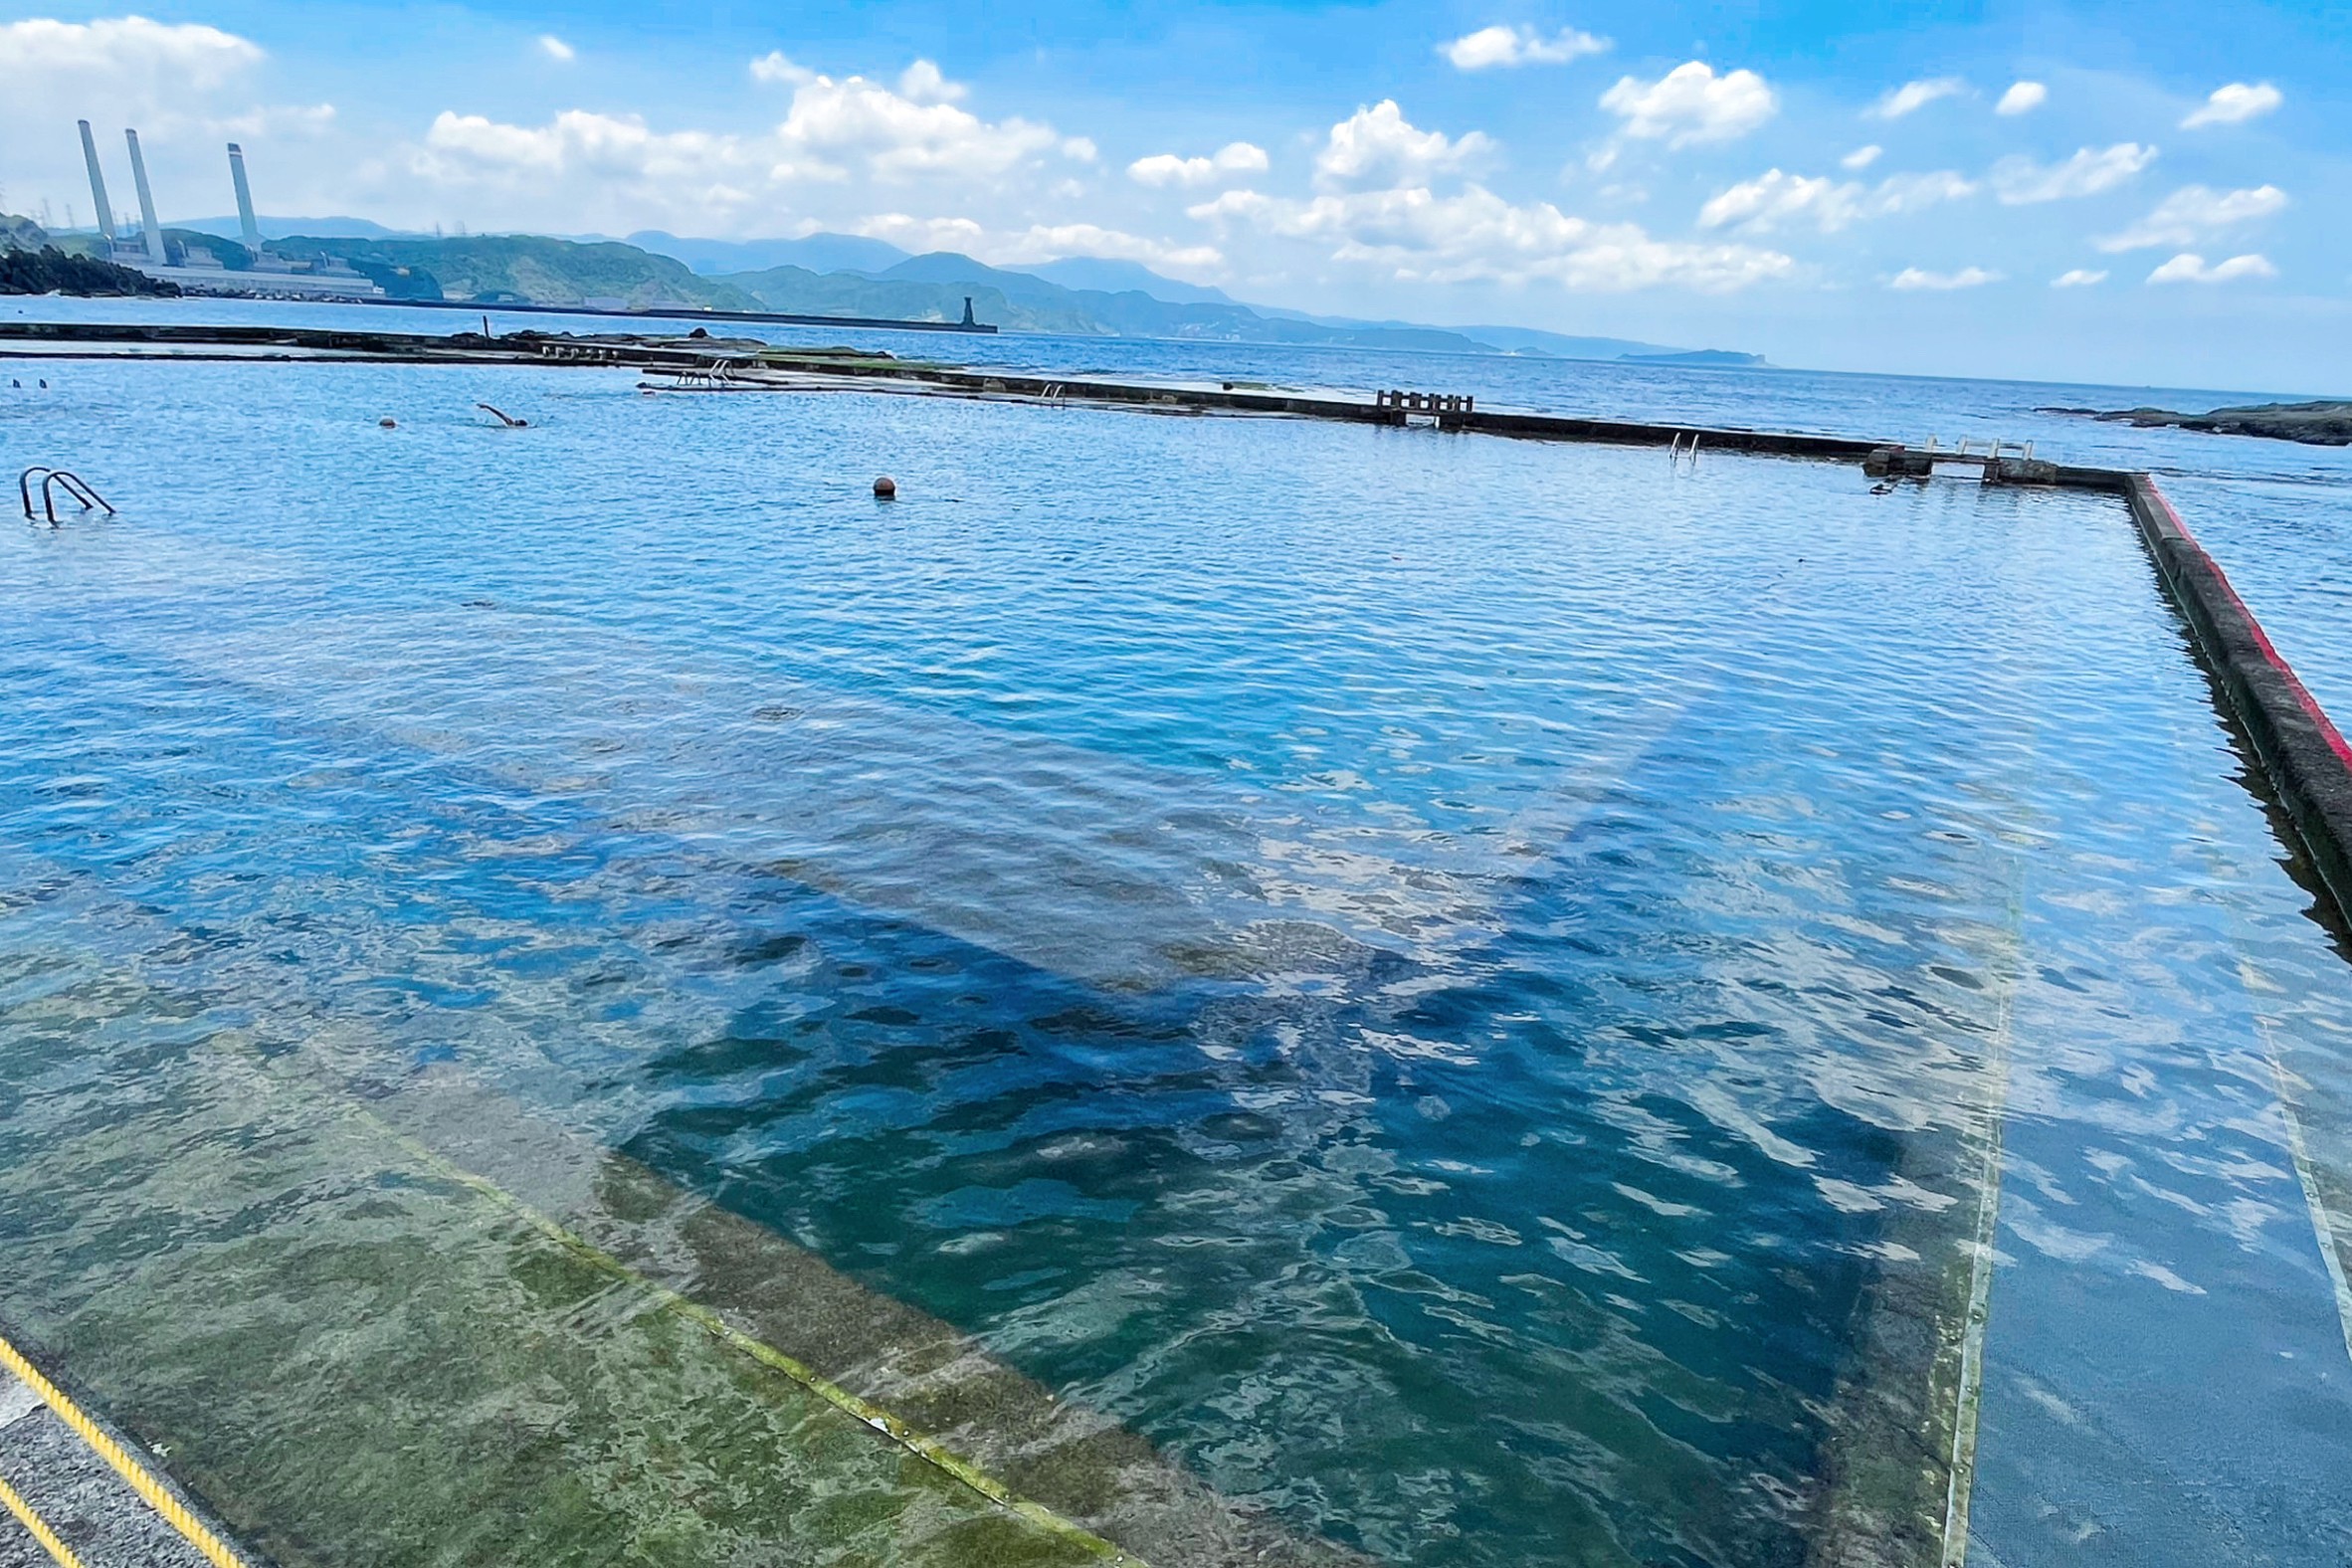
(245,218)
(139,177)
(98,186)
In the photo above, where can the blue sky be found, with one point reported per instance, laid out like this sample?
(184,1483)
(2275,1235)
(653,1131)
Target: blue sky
(1660,171)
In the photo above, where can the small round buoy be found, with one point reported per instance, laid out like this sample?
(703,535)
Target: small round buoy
(885,487)
(389,423)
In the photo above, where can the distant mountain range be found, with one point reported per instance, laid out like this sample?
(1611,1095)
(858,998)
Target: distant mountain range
(818,253)
(849,274)
(317,228)
(1065,305)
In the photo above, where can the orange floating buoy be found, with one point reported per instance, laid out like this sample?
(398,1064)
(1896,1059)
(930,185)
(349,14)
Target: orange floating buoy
(389,423)
(885,487)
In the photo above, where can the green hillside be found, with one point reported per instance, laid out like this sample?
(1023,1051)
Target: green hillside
(494,269)
(522,268)
(795,291)
(509,269)
(933,289)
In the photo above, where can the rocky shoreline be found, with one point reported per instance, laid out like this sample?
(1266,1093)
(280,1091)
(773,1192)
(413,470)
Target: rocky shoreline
(2320,424)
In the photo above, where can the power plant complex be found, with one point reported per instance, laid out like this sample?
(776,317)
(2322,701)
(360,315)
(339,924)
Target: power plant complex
(195,268)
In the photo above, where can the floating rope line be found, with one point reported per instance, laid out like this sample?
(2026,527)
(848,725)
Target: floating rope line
(175,1512)
(37,1526)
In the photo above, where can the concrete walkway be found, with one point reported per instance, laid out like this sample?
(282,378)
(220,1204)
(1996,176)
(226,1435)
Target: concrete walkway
(91,1509)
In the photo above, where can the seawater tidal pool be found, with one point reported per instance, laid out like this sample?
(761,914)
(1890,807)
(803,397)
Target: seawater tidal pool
(1297,993)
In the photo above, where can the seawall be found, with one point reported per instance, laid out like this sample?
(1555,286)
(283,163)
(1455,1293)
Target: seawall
(2307,756)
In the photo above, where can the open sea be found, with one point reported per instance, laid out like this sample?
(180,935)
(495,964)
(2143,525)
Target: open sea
(1477,1002)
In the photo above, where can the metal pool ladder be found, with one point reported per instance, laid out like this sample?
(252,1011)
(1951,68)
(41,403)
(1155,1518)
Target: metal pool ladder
(77,488)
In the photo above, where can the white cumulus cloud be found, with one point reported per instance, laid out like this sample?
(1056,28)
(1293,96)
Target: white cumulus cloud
(1234,160)
(124,54)
(2078,277)
(1038,243)
(1692,103)
(1415,235)
(2194,211)
(2019,181)
(923,82)
(834,125)
(1860,157)
(1519,46)
(1776,198)
(2235,105)
(2023,97)
(556,49)
(615,146)
(2190,269)
(1912,96)
(185,86)
(1914,277)
(589,169)
(777,67)
(1379,143)
(909,233)
(1049,242)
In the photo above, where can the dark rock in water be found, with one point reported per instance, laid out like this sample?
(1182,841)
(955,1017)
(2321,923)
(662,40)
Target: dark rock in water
(2321,424)
(51,270)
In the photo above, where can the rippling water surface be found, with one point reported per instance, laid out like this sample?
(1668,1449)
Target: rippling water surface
(1457,987)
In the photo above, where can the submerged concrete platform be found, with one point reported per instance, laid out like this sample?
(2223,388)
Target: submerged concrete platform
(2165,1352)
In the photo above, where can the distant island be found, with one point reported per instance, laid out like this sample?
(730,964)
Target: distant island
(826,275)
(1715,359)
(2319,423)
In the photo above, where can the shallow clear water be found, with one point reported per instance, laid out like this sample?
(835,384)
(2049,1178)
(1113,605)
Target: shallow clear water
(1451,984)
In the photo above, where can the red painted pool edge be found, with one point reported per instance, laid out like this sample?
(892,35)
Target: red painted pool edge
(2294,740)
(2310,704)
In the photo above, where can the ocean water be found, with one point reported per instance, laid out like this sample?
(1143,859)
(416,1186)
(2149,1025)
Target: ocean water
(2278,515)
(1462,990)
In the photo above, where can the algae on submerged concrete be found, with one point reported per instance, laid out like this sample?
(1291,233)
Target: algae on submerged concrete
(356,1358)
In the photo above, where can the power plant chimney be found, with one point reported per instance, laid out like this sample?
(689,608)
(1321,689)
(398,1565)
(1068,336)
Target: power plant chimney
(97,187)
(138,176)
(245,218)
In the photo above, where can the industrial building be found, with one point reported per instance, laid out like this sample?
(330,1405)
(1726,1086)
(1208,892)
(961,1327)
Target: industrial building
(193,266)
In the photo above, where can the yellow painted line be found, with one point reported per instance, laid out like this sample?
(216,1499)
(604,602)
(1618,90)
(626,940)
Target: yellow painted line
(923,1447)
(37,1526)
(174,1511)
